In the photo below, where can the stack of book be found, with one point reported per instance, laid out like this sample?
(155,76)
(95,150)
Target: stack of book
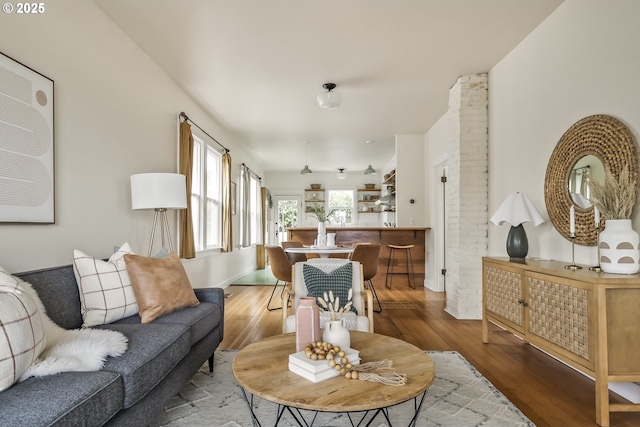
(319,370)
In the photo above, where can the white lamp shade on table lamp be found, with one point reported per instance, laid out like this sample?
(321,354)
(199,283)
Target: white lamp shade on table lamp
(517,209)
(158,191)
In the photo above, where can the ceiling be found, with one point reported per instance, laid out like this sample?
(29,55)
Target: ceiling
(257,66)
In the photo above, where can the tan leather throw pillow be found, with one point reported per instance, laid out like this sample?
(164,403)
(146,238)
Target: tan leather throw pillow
(161,285)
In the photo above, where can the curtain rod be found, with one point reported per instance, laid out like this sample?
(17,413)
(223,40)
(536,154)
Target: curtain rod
(184,116)
(252,171)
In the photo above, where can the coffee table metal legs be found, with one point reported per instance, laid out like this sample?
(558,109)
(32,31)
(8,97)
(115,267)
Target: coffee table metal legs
(417,408)
(297,415)
(249,402)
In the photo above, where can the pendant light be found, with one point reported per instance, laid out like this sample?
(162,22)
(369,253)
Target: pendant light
(369,170)
(341,174)
(306,170)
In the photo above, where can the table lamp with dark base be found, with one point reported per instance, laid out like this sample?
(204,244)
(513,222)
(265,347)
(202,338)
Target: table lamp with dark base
(517,244)
(516,210)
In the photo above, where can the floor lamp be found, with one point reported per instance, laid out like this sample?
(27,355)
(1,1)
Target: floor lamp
(517,209)
(159,191)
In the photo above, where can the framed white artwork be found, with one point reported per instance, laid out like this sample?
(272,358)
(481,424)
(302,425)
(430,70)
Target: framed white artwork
(26,144)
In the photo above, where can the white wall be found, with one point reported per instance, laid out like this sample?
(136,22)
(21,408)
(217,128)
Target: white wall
(582,60)
(410,181)
(115,115)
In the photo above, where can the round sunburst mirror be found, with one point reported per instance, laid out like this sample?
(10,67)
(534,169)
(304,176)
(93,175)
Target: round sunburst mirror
(586,150)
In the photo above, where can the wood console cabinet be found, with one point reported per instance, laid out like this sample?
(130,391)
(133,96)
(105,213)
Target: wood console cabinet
(588,320)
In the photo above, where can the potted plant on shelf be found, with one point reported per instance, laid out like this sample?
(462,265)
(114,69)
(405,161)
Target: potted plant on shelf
(618,242)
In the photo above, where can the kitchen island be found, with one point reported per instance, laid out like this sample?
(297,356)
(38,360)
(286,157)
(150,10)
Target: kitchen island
(347,236)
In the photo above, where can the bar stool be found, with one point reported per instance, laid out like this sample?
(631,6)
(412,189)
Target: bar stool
(410,273)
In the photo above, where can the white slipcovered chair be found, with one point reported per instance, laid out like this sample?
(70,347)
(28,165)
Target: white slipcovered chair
(362,299)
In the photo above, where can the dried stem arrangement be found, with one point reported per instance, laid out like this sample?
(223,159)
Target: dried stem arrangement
(614,198)
(332,304)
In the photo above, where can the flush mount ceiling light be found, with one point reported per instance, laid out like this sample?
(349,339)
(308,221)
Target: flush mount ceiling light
(306,170)
(341,174)
(329,99)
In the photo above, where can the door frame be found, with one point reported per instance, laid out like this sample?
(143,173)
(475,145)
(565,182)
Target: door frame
(440,169)
(280,237)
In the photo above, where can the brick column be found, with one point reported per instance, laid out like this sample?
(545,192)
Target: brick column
(467,195)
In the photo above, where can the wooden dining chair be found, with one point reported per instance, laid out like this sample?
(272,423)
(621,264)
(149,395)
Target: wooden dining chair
(361,297)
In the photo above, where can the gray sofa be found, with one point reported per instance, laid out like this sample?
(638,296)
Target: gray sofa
(130,390)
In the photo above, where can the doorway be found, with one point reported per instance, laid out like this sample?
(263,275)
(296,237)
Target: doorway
(288,211)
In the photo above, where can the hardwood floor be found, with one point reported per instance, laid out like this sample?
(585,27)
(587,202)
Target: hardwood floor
(548,392)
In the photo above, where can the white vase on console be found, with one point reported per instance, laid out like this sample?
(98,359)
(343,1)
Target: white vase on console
(618,244)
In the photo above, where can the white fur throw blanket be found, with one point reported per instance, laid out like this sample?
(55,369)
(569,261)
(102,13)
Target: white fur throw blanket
(71,350)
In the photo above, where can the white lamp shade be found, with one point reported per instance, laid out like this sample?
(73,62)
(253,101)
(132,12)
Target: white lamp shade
(516,209)
(158,191)
(329,100)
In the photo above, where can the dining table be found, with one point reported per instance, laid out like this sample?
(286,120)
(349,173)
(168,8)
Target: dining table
(322,251)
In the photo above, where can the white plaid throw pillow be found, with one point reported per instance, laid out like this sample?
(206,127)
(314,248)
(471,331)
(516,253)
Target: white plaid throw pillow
(105,289)
(21,331)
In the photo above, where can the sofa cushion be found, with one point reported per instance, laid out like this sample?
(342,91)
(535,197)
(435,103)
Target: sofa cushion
(21,330)
(154,349)
(201,319)
(106,294)
(65,399)
(161,285)
(59,294)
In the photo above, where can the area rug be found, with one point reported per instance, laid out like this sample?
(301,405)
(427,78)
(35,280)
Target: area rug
(459,396)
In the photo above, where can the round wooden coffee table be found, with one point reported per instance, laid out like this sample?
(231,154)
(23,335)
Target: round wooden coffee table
(262,369)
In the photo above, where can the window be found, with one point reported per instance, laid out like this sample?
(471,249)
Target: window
(341,202)
(206,196)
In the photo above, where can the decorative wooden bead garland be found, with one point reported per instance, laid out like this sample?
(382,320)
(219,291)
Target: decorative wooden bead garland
(327,351)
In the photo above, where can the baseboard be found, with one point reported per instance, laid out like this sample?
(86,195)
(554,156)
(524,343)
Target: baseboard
(433,287)
(226,283)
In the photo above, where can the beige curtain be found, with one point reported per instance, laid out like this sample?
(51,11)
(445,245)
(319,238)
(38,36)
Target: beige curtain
(187,244)
(227,229)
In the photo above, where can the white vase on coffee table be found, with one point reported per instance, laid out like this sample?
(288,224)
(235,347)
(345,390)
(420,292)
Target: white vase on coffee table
(336,334)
